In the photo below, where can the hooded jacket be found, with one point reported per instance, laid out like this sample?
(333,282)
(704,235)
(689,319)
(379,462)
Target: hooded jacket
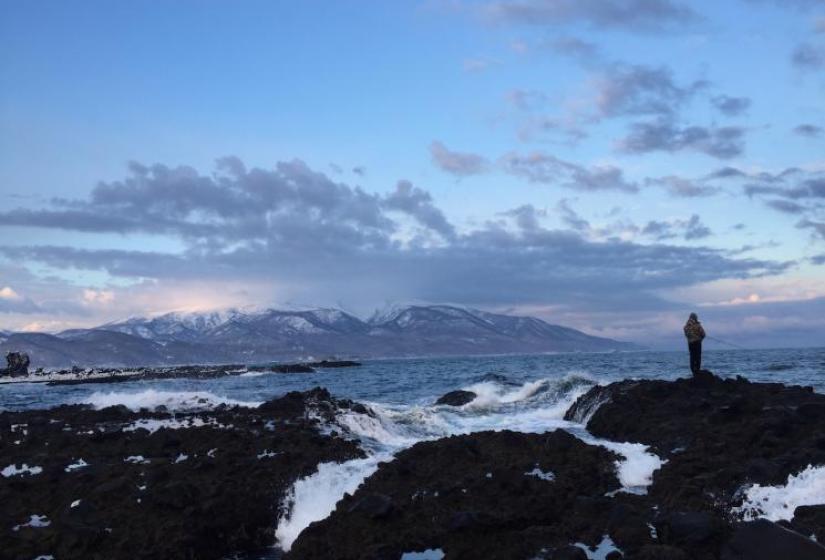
(694,331)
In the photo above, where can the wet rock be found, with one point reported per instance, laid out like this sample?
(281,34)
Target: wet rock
(374,506)
(661,552)
(810,521)
(292,368)
(694,530)
(456,398)
(334,364)
(763,540)
(569,553)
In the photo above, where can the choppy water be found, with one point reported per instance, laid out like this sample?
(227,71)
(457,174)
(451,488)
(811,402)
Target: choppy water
(417,381)
(521,393)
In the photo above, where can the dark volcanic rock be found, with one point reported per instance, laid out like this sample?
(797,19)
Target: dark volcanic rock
(810,521)
(474,497)
(763,540)
(292,368)
(334,364)
(17,364)
(456,398)
(716,434)
(113,486)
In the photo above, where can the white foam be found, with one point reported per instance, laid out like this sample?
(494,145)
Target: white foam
(601,551)
(538,473)
(79,464)
(181,458)
(172,400)
(429,554)
(12,470)
(776,503)
(35,521)
(152,425)
(635,471)
(313,498)
(136,460)
(491,394)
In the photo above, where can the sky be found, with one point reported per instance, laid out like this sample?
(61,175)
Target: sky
(609,165)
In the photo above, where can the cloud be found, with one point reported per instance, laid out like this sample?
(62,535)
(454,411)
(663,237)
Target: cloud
(580,50)
(808,130)
(787,206)
(645,15)
(526,100)
(663,135)
(632,89)
(807,56)
(690,230)
(817,228)
(301,236)
(478,64)
(527,217)
(818,259)
(461,164)
(539,167)
(419,204)
(13,302)
(731,106)
(683,188)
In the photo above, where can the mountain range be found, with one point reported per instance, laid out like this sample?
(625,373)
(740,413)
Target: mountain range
(235,336)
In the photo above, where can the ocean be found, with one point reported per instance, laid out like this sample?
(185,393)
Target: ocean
(521,393)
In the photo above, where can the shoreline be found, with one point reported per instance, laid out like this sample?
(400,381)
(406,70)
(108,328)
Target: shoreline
(149,469)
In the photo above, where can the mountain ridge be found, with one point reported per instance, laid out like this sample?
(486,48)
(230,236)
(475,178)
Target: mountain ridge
(234,336)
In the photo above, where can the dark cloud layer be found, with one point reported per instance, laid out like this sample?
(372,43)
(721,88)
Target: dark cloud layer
(664,135)
(296,227)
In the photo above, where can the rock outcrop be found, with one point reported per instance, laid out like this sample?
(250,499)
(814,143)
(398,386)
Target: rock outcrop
(112,483)
(456,398)
(17,364)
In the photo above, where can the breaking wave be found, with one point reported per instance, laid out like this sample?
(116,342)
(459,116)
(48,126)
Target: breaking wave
(184,401)
(532,407)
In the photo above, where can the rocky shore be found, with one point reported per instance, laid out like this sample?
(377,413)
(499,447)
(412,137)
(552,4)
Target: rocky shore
(741,476)
(80,376)
(118,483)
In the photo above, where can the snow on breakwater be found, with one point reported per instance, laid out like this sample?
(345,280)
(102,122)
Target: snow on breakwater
(184,401)
(776,503)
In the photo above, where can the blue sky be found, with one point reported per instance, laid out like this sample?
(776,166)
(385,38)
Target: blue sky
(498,154)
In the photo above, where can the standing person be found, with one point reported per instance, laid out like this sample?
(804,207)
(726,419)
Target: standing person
(694,334)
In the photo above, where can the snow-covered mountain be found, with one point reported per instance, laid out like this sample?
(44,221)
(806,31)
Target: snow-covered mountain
(272,334)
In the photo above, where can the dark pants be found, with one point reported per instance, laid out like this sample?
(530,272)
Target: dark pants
(695,356)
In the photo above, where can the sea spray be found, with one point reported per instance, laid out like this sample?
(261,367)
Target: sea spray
(777,503)
(313,498)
